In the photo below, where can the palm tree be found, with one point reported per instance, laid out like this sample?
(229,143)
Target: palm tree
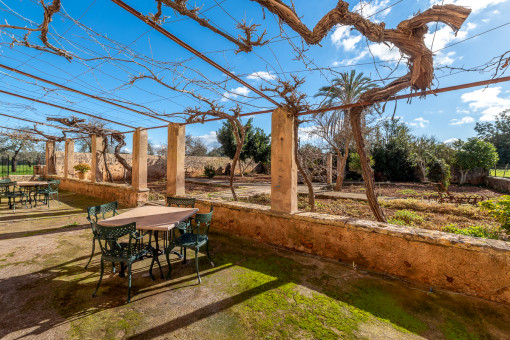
(334,126)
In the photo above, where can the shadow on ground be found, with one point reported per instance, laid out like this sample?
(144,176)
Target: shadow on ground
(254,291)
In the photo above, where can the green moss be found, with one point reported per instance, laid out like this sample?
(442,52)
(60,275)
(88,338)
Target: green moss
(106,325)
(385,307)
(454,330)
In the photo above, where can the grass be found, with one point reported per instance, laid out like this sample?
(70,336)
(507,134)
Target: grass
(20,170)
(500,173)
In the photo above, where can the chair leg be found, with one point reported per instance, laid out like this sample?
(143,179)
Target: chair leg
(167,254)
(196,264)
(114,270)
(152,265)
(100,278)
(92,254)
(129,283)
(184,256)
(208,256)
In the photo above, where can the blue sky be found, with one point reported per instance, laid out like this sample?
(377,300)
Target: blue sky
(447,116)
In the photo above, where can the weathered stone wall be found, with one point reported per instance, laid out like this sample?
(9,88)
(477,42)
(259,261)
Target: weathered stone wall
(464,264)
(474,177)
(499,183)
(156,165)
(124,194)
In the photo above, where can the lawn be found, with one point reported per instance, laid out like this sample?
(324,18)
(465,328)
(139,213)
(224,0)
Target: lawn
(254,291)
(20,170)
(500,173)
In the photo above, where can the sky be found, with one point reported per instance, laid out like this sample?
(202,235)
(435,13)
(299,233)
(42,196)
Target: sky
(101,28)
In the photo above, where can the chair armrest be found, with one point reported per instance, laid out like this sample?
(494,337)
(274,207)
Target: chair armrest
(139,237)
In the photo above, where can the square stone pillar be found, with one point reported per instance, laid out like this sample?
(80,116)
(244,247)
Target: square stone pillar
(97,147)
(283,164)
(175,159)
(69,159)
(139,172)
(329,168)
(51,168)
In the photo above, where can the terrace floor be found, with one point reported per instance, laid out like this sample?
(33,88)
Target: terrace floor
(254,291)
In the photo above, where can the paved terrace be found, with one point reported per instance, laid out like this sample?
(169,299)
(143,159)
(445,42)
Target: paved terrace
(254,291)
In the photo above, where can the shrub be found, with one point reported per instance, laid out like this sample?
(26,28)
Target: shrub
(209,171)
(474,230)
(439,172)
(355,163)
(394,161)
(83,167)
(408,192)
(406,217)
(499,208)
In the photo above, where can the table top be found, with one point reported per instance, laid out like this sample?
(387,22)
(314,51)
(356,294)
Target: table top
(157,218)
(31,183)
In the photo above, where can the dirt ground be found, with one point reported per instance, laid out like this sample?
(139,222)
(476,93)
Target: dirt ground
(253,291)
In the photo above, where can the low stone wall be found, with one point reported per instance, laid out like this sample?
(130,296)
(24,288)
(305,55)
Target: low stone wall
(499,183)
(474,177)
(156,165)
(125,195)
(468,265)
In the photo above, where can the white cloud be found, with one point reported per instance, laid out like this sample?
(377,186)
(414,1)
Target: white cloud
(443,36)
(305,134)
(475,5)
(419,122)
(451,140)
(234,93)
(210,140)
(262,75)
(370,8)
(487,101)
(463,120)
(342,37)
(379,51)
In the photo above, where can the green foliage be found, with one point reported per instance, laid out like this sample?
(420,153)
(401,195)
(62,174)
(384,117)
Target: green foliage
(476,153)
(256,145)
(439,172)
(497,133)
(392,151)
(209,171)
(474,230)
(406,217)
(499,208)
(355,163)
(82,167)
(407,192)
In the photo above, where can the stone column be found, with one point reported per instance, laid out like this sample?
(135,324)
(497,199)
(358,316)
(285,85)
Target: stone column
(51,168)
(329,168)
(69,158)
(95,154)
(175,159)
(283,164)
(139,173)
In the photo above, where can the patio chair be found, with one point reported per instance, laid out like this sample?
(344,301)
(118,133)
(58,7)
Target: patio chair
(181,202)
(195,237)
(125,253)
(4,188)
(92,216)
(48,192)
(14,193)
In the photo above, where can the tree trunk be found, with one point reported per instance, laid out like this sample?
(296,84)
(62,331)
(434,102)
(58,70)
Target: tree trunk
(366,170)
(14,160)
(463,176)
(423,170)
(341,168)
(238,129)
(304,173)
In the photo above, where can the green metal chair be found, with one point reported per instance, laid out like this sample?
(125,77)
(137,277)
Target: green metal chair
(4,188)
(181,202)
(125,253)
(93,217)
(195,237)
(14,193)
(48,192)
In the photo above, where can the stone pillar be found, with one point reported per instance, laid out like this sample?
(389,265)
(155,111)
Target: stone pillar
(329,168)
(51,168)
(283,164)
(95,153)
(139,173)
(175,159)
(69,158)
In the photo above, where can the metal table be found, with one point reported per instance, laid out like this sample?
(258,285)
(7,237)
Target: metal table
(152,218)
(29,185)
